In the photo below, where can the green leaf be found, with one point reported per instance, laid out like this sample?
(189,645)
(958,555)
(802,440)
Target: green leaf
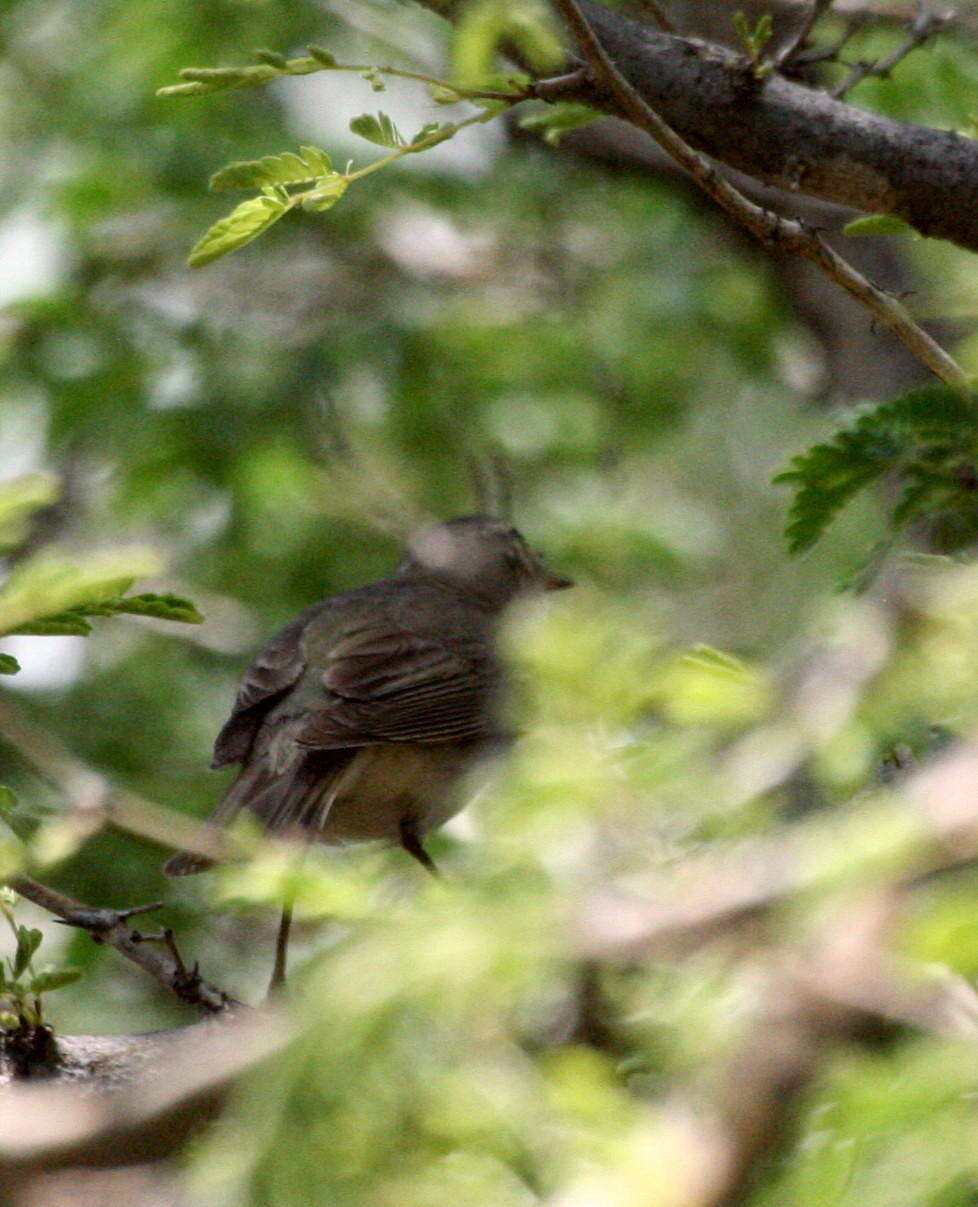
(8,664)
(380,130)
(53,978)
(374,79)
(245,222)
(877,224)
(324,57)
(50,585)
(28,941)
(217,79)
(923,434)
(8,803)
(530,26)
(559,119)
(483,25)
(480,28)
(310,164)
(273,59)
(163,607)
(431,134)
(326,194)
(64,624)
(19,498)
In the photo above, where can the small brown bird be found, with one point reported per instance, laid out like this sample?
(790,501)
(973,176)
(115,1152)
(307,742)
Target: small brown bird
(357,719)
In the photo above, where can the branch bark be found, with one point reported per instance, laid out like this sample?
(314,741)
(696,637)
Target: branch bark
(778,233)
(788,135)
(156,955)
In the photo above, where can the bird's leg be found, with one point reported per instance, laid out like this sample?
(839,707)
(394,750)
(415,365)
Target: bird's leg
(412,844)
(281,948)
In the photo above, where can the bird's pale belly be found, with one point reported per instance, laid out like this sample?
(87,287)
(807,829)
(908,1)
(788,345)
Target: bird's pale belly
(385,785)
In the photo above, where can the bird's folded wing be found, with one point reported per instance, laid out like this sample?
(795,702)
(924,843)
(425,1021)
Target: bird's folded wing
(273,672)
(383,684)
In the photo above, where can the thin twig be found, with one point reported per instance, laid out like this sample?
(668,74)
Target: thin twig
(921,27)
(788,52)
(109,926)
(823,54)
(780,234)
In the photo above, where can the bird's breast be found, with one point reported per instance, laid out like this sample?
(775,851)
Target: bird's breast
(385,784)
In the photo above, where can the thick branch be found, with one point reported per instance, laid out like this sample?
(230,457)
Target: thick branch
(780,233)
(129,1098)
(791,136)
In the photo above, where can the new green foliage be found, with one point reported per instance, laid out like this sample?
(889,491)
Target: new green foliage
(289,168)
(21,984)
(380,130)
(245,222)
(53,594)
(556,120)
(927,439)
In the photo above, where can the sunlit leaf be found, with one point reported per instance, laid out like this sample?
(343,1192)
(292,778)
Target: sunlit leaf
(326,194)
(245,222)
(310,164)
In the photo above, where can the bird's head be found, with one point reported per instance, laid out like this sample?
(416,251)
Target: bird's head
(483,556)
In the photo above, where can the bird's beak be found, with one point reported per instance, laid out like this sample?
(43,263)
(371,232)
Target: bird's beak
(556,582)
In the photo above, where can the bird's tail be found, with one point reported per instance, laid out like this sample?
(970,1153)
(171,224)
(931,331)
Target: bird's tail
(294,799)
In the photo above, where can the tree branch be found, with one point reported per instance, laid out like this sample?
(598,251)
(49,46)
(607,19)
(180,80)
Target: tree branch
(161,961)
(130,1098)
(780,233)
(788,135)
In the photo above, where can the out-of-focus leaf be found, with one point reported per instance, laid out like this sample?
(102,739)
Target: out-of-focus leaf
(53,978)
(877,224)
(559,119)
(28,941)
(18,500)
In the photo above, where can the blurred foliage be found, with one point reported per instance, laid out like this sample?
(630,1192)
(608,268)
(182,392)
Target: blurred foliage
(268,428)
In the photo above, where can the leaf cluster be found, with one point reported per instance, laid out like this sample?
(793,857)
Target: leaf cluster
(55,595)
(21,984)
(925,439)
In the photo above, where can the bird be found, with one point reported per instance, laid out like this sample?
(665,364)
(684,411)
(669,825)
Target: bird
(358,718)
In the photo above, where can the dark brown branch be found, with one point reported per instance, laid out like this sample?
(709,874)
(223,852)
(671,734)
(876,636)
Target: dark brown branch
(788,135)
(162,962)
(778,233)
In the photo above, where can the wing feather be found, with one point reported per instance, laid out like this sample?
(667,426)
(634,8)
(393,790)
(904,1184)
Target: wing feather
(276,669)
(387,685)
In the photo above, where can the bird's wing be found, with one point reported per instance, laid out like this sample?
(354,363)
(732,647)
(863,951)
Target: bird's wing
(385,684)
(274,671)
